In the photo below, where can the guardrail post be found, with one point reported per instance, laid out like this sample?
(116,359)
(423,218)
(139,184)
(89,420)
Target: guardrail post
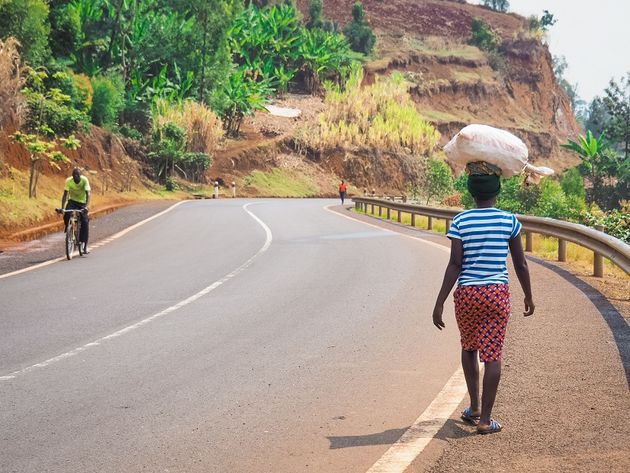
(598,259)
(399,216)
(372,208)
(430,224)
(413,220)
(529,242)
(357,206)
(562,250)
(380,210)
(448,224)
(389,213)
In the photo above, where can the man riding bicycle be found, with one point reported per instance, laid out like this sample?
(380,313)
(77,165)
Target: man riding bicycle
(77,193)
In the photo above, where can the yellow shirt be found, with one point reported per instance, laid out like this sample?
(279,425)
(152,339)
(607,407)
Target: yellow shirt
(78,192)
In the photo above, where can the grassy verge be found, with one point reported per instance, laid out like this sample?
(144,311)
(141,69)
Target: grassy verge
(281,183)
(615,285)
(18,212)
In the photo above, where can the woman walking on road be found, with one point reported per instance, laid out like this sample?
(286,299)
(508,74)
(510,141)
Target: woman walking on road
(480,239)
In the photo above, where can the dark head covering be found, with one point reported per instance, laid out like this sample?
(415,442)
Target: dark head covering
(484,186)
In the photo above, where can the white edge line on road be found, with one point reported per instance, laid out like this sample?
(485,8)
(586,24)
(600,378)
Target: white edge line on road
(173,308)
(97,245)
(423,430)
(401,454)
(430,243)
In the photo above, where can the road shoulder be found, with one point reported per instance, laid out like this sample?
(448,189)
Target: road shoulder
(564,391)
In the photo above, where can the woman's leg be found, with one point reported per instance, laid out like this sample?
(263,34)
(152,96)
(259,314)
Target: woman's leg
(491,378)
(470,364)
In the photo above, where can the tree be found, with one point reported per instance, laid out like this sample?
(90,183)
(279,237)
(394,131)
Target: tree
(597,117)
(609,175)
(358,31)
(498,5)
(438,180)
(617,102)
(48,116)
(560,65)
(27,21)
(315,12)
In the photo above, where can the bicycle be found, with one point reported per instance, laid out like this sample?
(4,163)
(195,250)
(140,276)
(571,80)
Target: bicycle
(73,230)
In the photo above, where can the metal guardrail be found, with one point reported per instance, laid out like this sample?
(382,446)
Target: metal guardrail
(602,244)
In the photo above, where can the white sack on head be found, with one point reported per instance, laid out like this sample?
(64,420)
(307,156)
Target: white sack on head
(536,173)
(485,143)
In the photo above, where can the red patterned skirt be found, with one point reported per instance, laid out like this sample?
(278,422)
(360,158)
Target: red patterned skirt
(482,314)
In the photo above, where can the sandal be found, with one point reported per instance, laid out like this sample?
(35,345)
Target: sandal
(468,417)
(492,428)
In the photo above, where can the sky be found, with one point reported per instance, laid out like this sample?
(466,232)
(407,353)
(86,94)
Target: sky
(593,36)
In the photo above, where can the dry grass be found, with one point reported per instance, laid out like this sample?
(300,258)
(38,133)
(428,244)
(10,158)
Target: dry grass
(440,46)
(202,126)
(18,212)
(11,82)
(382,116)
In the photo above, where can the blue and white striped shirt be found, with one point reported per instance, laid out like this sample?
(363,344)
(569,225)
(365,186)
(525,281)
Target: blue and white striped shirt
(485,234)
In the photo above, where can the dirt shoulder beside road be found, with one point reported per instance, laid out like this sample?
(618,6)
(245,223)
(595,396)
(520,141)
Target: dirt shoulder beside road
(21,255)
(564,394)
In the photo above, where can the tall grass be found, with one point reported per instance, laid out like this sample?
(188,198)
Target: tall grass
(11,81)
(203,127)
(382,116)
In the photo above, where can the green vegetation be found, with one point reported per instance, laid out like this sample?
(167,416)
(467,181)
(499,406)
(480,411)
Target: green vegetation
(498,5)
(27,21)
(540,25)
(438,180)
(358,31)
(381,116)
(281,183)
(483,36)
(107,99)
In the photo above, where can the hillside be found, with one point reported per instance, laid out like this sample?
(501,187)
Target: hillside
(453,85)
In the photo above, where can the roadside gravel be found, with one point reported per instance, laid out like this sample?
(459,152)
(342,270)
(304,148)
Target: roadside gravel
(23,255)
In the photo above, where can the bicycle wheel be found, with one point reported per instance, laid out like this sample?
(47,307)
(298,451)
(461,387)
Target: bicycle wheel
(77,236)
(70,239)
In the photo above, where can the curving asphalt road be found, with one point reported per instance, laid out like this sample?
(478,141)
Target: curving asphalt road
(317,345)
(276,336)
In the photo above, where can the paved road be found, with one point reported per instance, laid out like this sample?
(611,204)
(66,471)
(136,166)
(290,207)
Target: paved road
(308,348)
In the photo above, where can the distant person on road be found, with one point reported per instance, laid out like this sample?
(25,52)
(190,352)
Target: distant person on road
(77,194)
(343,187)
(480,239)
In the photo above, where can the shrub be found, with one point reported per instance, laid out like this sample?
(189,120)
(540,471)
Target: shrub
(483,36)
(107,101)
(358,31)
(438,180)
(202,126)
(49,111)
(572,183)
(76,86)
(552,201)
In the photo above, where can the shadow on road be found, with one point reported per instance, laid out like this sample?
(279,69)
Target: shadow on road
(617,324)
(452,429)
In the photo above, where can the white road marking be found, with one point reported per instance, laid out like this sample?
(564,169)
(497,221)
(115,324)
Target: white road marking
(97,245)
(173,308)
(401,454)
(417,437)
(430,243)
